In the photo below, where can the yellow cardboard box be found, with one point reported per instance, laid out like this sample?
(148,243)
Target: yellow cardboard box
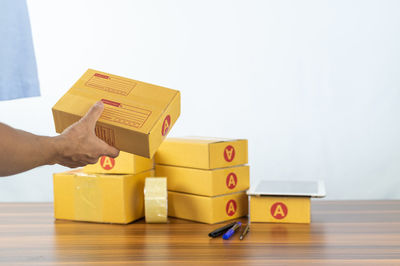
(205,182)
(277,209)
(99,198)
(136,118)
(207,209)
(204,153)
(125,163)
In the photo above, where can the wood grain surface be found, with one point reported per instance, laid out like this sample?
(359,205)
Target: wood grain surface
(341,232)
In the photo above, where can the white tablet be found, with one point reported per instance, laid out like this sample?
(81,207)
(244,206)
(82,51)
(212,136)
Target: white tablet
(289,188)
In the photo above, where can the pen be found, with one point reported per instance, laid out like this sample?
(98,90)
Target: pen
(222,230)
(245,231)
(231,231)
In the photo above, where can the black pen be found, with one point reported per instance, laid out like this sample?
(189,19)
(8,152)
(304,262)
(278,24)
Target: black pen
(221,231)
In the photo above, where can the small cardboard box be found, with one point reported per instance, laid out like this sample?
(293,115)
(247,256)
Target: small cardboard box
(205,182)
(125,163)
(208,210)
(284,201)
(136,118)
(203,153)
(99,198)
(276,209)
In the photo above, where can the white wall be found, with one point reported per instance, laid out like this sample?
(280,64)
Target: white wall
(313,85)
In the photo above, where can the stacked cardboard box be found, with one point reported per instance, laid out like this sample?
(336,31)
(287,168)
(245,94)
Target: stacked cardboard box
(207,178)
(137,117)
(110,191)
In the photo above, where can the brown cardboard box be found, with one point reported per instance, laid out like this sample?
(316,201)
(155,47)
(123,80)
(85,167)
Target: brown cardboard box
(205,182)
(103,198)
(207,209)
(280,209)
(203,153)
(125,163)
(137,116)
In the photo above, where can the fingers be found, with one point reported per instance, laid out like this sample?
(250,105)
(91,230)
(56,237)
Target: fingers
(114,152)
(110,151)
(72,164)
(82,161)
(105,150)
(91,160)
(93,114)
(101,148)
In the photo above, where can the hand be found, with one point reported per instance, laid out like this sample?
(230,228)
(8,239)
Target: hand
(78,145)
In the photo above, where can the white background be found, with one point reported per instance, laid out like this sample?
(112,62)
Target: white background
(313,85)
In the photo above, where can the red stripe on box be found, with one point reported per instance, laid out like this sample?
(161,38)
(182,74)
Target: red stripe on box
(101,76)
(116,104)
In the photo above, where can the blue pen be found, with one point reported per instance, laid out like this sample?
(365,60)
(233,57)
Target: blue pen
(231,231)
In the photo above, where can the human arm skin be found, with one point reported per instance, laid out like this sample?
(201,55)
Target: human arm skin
(76,146)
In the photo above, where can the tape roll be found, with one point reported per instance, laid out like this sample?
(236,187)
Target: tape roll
(156,200)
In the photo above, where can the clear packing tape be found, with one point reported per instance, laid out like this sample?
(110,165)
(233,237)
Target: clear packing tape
(88,198)
(156,200)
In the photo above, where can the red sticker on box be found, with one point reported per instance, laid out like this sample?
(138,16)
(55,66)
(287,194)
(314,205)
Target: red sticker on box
(231,207)
(101,76)
(165,126)
(107,163)
(229,153)
(279,210)
(231,180)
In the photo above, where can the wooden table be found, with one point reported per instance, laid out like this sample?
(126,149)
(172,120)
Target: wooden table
(341,232)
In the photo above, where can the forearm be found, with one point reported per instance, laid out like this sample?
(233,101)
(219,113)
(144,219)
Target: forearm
(21,151)
(75,147)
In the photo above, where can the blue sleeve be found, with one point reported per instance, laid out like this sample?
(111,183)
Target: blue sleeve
(18,73)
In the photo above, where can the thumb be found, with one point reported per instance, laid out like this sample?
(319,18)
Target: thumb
(93,114)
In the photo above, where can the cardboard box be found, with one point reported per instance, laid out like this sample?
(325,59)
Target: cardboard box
(207,209)
(136,118)
(99,198)
(205,182)
(125,163)
(276,209)
(203,153)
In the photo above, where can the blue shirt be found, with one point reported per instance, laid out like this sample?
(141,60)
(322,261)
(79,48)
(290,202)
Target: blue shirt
(18,73)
